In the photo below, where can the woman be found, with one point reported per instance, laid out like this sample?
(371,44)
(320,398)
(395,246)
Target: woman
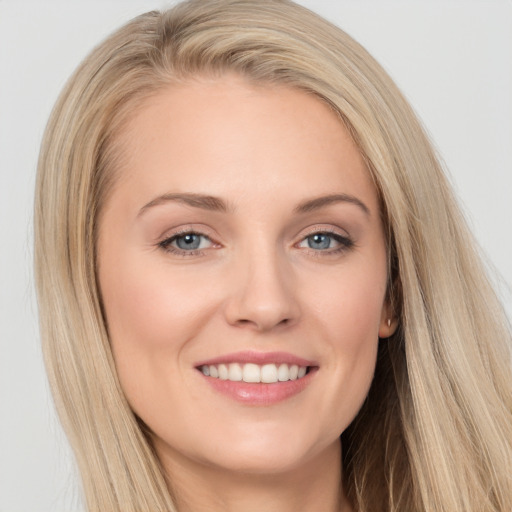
(254,282)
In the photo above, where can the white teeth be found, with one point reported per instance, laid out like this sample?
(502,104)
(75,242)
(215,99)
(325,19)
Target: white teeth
(223,372)
(250,372)
(283,373)
(269,373)
(235,372)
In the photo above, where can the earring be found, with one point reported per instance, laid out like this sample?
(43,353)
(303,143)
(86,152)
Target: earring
(389,322)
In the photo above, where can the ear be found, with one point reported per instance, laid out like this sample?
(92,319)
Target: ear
(388,321)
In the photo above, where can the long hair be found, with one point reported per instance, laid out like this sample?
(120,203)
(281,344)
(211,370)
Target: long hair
(435,432)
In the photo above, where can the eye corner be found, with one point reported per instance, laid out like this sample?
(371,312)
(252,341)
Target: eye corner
(328,242)
(187,242)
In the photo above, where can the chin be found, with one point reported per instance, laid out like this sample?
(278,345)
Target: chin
(267,455)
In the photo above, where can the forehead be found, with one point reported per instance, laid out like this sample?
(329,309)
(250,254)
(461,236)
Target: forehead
(228,136)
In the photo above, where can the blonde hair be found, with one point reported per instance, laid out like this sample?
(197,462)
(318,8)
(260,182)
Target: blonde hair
(435,433)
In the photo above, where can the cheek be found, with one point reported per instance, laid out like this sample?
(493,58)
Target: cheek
(150,305)
(351,303)
(348,315)
(152,313)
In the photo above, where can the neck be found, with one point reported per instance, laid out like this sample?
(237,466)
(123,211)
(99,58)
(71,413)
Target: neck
(314,486)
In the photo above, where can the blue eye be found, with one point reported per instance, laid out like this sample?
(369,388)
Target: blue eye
(186,242)
(323,241)
(190,241)
(319,241)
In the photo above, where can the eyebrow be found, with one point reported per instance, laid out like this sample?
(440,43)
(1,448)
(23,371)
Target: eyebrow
(322,201)
(204,202)
(213,203)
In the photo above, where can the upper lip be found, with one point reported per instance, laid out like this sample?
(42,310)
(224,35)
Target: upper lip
(259,358)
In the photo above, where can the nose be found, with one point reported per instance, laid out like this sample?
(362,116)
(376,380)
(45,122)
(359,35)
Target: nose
(262,293)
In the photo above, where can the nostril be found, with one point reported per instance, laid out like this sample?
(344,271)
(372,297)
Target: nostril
(261,324)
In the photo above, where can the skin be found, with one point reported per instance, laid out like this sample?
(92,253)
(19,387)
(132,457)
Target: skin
(256,284)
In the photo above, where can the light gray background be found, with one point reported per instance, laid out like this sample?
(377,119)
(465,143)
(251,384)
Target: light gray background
(453,60)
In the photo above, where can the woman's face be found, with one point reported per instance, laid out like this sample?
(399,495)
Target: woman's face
(241,247)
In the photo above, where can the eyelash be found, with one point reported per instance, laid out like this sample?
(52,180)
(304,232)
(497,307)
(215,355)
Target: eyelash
(345,243)
(166,244)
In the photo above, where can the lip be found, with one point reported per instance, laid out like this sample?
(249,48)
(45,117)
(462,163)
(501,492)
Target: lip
(259,394)
(260,358)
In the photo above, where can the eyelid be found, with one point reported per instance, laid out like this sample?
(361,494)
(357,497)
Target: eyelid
(164,242)
(344,240)
(328,229)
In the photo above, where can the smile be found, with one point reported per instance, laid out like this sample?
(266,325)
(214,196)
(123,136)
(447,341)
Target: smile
(258,378)
(254,373)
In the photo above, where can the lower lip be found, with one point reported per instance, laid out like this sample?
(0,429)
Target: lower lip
(260,393)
